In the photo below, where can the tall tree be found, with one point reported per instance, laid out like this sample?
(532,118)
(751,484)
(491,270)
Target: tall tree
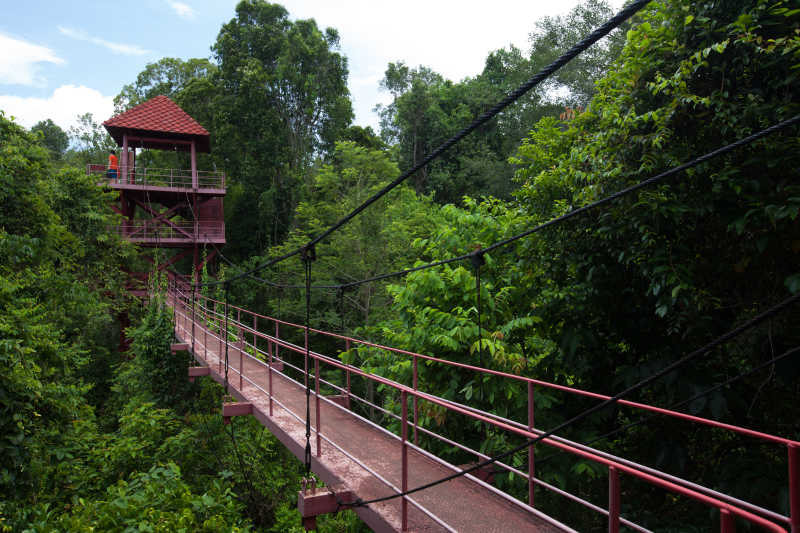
(168,76)
(283,99)
(427,109)
(53,137)
(92,143)
(574,84)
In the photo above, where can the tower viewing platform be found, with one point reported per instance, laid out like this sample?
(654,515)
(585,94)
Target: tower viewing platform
(171,208)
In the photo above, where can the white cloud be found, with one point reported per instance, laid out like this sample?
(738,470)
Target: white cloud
(19,61)
(183,10)
(63,106)
(117,48)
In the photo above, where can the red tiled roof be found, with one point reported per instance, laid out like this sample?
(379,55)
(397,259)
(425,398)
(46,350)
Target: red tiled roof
(159,114)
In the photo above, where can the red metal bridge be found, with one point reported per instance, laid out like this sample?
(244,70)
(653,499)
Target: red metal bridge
(360,458)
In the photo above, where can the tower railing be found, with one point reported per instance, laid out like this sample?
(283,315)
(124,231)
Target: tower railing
(145,230)
(160,177)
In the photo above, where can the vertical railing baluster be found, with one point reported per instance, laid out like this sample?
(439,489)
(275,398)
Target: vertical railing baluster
(794,487)
(270,350)
(531,448)
(727,524)
(316,398)
(347,348)
(404,444)
(613,500)
(277,337)
(305,364)
(415,380)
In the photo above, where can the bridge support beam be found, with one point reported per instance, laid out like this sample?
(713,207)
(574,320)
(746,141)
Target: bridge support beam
(235,409)
(197,371)
(179,347)
(312,503)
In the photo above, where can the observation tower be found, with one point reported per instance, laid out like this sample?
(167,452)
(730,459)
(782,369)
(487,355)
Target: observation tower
(177,211)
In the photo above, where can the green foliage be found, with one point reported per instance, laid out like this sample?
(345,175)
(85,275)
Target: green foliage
(54,138)
(664,271)
(553,36)
(168,76)
(158,375)
(157,500)
(601,302)
(283,98)
(54,309)
(91,143)
(427,109)
(374,243)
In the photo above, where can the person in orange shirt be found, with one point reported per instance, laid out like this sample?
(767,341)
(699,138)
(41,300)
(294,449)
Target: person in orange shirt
(113,168)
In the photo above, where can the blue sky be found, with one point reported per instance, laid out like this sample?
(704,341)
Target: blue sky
(62,58)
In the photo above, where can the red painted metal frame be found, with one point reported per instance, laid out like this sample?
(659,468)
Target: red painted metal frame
(163,177)
(727,510)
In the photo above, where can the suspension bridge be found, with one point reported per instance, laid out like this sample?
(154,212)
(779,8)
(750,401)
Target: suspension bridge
(380,459)
(375,456)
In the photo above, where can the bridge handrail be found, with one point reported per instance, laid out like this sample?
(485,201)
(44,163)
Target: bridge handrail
(514,427)
(573,390)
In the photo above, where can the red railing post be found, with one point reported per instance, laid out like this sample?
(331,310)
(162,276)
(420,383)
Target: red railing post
(416,407)
(316,401)
(347,348)
(613,500)
(255,336)
(531,463)
(277,337)
(726,522)
(404,444)
(794,487)
(269,372)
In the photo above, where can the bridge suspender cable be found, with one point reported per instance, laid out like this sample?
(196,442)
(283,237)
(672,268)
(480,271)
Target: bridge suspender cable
(308,257)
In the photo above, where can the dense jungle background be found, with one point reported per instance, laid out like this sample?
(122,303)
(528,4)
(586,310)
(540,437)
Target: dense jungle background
(92,439)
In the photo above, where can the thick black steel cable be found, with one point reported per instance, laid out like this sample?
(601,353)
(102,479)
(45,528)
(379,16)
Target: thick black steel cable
(769,313)
(614,22)
(581,210)
(272,283)
(610,25)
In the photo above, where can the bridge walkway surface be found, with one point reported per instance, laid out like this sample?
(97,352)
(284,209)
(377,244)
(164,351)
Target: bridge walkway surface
(355,454)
